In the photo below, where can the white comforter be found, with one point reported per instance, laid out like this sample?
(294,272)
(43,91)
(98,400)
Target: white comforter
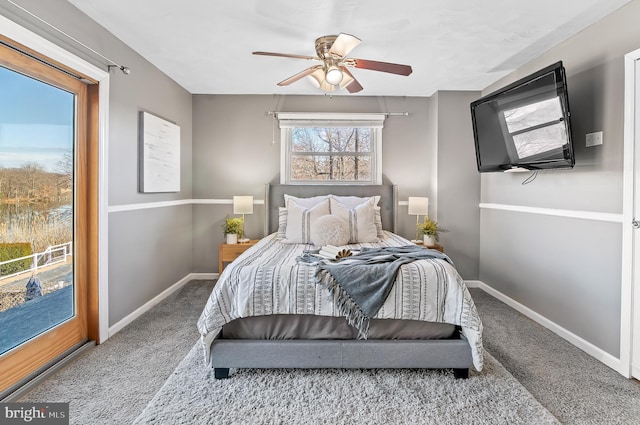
(266,279)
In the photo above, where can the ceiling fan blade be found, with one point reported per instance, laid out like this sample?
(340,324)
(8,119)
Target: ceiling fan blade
(392,68)
(286,55)
(349,81)
(344,44)
(299,75)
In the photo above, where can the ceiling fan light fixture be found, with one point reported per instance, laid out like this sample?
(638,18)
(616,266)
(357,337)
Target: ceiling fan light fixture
(326,87)
(334,75)
(317,78)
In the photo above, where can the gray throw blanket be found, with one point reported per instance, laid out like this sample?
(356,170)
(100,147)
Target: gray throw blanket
(361,283)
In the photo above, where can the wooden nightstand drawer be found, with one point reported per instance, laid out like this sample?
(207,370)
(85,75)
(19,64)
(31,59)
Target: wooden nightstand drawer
(227,253)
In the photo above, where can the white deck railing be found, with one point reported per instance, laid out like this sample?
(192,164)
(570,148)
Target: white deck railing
(52,255)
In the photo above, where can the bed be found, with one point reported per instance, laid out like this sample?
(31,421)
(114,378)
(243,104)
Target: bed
(268,311)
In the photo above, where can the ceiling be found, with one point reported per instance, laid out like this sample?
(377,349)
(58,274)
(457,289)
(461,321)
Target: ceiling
(205,46)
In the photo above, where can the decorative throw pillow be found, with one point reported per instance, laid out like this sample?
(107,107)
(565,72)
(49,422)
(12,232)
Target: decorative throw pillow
(378,220)
(300,220)
(361,220)
(354,201)
(282,211)
(282,223)
(330,230)
(305,202)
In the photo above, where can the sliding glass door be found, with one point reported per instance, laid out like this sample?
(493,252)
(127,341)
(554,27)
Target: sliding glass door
(45,213)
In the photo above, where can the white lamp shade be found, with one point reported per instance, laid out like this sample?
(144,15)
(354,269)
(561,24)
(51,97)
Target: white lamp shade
(418,205)
(243,204)
(317,79)
(333,75)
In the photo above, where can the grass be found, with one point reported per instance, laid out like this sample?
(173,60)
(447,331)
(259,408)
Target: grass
(37,230)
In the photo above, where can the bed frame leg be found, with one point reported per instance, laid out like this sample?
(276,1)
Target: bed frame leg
(461,373)
(221,372)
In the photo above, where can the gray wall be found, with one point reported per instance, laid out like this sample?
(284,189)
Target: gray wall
(235,154)
(569,270)
(149,250)
(458,181)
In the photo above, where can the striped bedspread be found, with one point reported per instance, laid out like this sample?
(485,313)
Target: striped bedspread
(266,279)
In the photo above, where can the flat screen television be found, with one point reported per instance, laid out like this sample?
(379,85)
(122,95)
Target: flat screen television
(525,125)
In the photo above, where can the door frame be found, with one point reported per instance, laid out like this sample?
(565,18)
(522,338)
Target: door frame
(43,46)
(629,275)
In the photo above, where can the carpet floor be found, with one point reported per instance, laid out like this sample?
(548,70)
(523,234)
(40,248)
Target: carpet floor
(122,379)
(334,396)
(574,386)
(114,381)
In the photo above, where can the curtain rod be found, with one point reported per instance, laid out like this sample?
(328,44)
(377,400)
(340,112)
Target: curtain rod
(386,114)
(125,70)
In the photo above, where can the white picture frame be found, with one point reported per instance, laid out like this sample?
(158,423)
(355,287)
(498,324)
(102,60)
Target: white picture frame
(159,155)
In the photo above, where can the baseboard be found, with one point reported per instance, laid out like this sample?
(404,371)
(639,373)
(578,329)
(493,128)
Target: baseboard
(635,371)
(596,352)
(473,283)
(148,305)
(204,276)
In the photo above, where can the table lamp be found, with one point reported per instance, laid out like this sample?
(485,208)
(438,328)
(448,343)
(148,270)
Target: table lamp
(243,205)
(418,206)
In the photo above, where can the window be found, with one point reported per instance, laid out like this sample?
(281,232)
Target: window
(331,148)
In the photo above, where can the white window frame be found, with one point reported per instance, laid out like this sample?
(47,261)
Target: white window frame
(289,120)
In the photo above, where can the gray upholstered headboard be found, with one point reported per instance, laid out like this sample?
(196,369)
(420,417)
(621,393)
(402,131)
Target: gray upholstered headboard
(274,198)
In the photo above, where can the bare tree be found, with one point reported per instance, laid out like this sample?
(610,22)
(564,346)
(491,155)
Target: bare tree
(32,172)
(64,168)
(331,153)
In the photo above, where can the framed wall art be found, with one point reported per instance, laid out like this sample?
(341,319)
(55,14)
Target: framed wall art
(159,155)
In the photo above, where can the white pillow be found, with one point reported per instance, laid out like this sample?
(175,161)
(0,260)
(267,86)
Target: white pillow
(300,220)
(305,202)
(354,201)
(282,223)
(378,220)
(350,201)
(282,211)
(330,230)
(361,220)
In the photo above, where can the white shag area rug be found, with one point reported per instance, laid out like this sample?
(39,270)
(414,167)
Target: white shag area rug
(191,395)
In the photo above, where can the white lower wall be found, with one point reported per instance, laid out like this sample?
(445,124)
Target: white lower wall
(574,339)
(117,327)
(568,269)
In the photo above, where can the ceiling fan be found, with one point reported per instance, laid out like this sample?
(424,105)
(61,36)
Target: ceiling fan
(332,73)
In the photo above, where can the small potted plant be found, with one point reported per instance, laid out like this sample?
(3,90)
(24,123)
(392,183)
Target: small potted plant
(430,230)
(233,229)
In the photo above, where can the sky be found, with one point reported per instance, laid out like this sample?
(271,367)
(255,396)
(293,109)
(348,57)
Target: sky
(36,121)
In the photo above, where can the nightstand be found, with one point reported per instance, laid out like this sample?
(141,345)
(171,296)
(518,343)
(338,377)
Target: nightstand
(227,253)
(436,246)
